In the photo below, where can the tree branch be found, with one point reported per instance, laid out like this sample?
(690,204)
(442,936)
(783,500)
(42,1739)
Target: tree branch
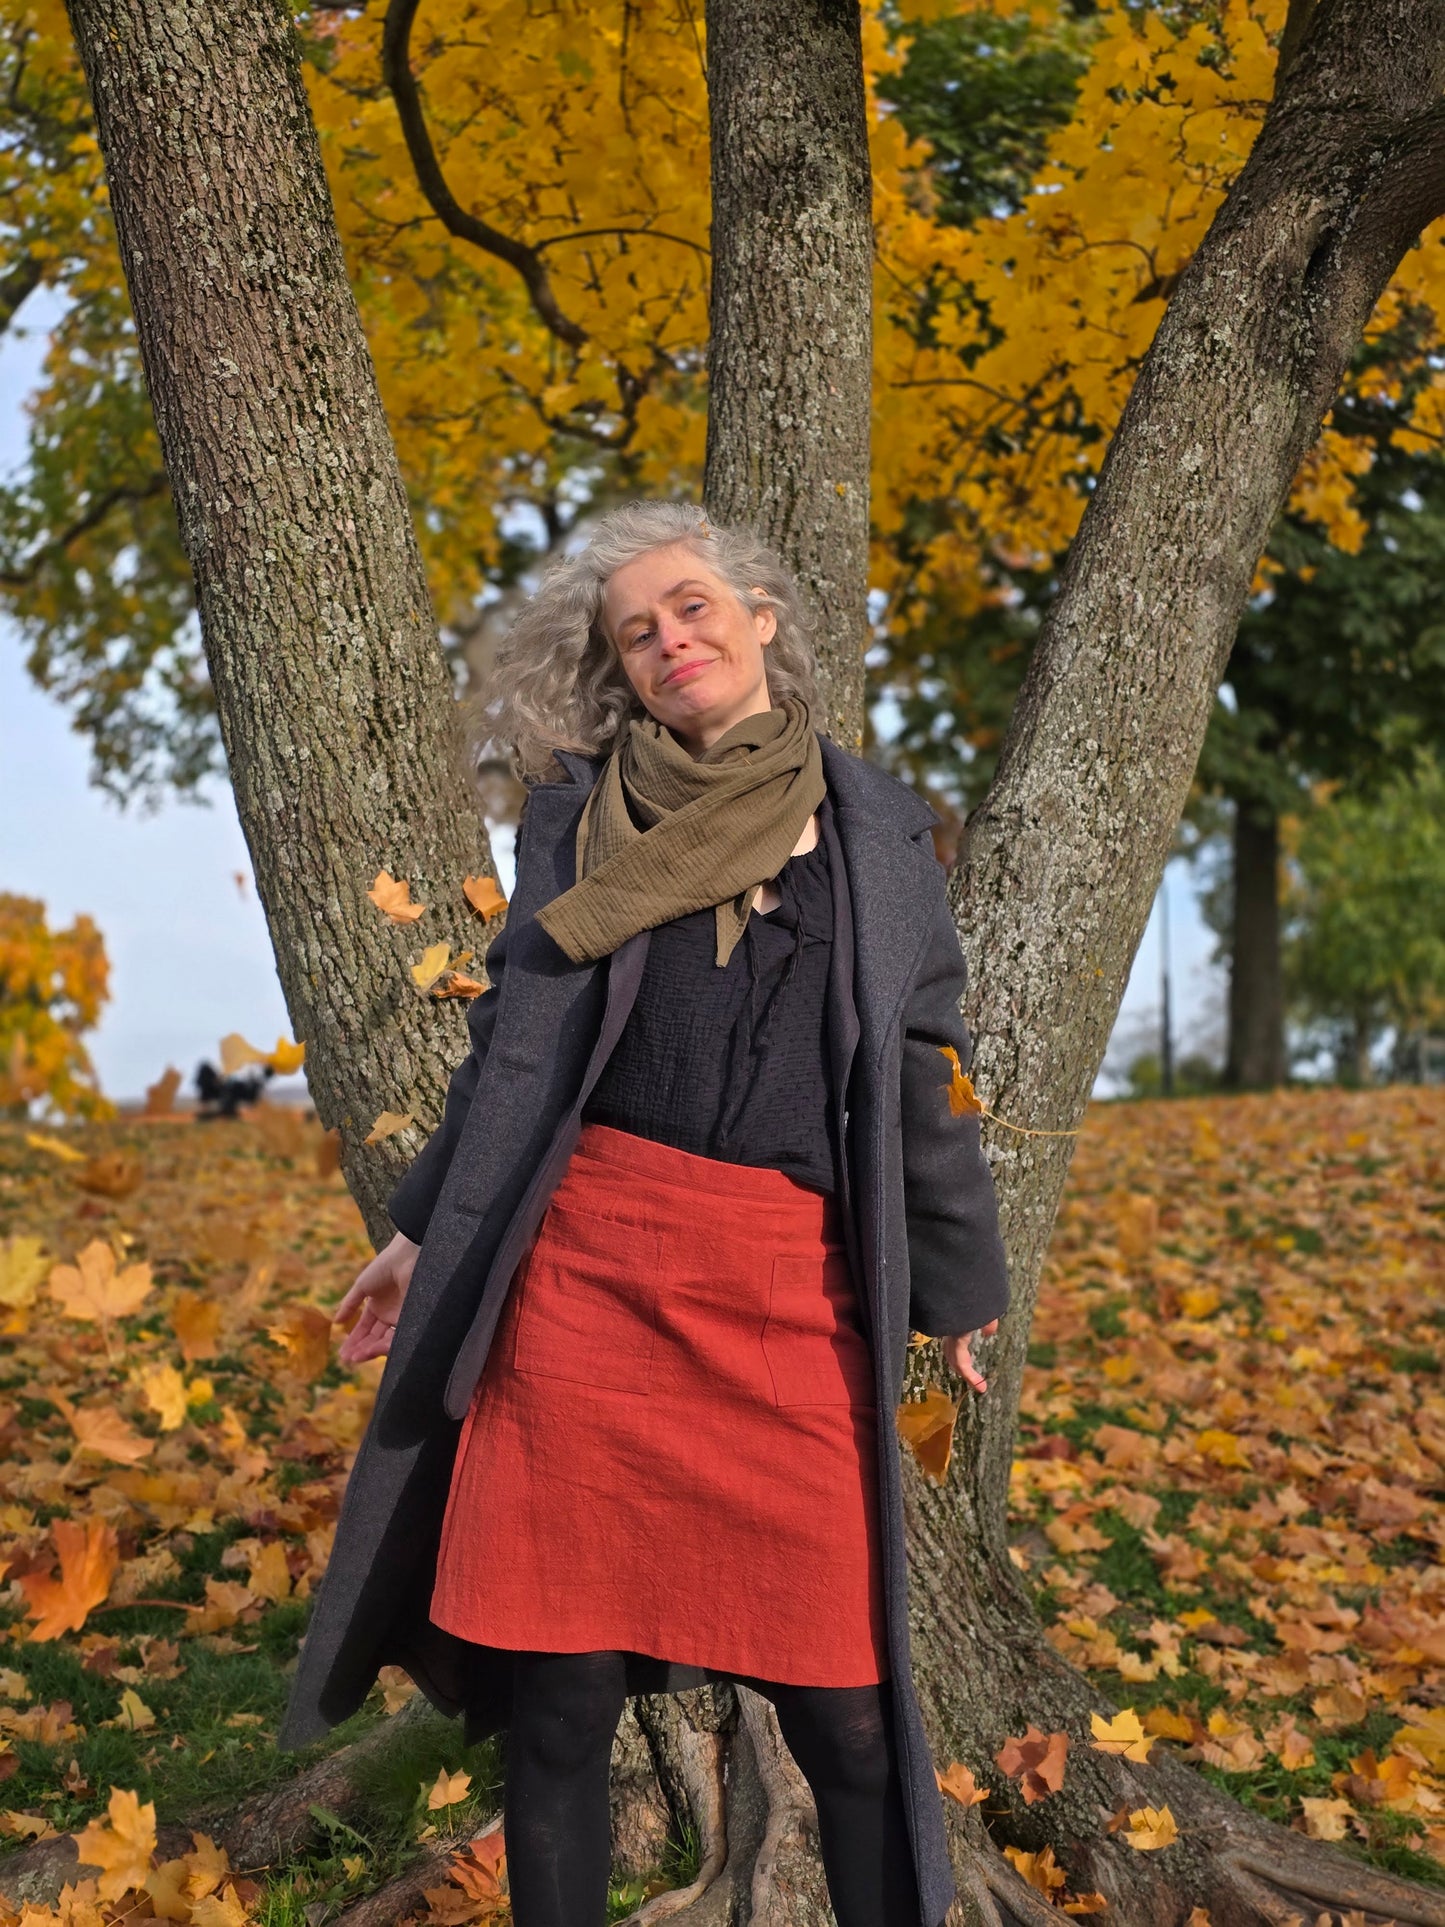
(396,71)
(1406,197)
(82,525)
(18,281)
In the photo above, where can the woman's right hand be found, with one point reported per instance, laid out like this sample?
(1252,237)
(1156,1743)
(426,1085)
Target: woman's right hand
(378,1294)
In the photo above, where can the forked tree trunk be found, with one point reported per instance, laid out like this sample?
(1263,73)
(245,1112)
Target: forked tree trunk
(334,703)
(791,310)
(1256,1059)
(336,718)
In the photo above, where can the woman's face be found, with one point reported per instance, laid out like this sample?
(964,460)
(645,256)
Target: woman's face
(689,648)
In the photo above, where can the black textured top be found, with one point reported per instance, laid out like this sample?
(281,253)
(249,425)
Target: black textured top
(732,1062)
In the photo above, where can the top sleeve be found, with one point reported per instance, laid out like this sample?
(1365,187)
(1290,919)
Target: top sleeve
(957,1267)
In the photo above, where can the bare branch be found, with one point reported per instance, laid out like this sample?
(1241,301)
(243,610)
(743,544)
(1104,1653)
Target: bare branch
(18,281)
(396,71)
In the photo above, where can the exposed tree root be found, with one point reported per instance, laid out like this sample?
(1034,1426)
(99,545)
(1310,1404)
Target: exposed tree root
(406,1894)
(268,1831)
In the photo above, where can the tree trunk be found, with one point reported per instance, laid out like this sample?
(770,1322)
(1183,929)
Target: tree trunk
(789,365)
(335,706)
(1256,1060)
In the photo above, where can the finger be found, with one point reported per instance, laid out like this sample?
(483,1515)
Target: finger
(990,1328)
(974,1377)
(356,1296)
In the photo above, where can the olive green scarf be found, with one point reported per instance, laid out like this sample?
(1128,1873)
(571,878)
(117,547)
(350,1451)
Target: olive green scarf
(663,833)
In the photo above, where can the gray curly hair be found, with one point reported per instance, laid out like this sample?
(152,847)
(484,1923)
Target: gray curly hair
(556,682)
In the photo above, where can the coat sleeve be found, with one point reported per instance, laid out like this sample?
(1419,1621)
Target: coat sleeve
(412,1202)
(957,1268)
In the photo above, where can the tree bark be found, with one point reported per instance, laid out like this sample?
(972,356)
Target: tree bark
(334,703)
(789,364)
(1256,1059)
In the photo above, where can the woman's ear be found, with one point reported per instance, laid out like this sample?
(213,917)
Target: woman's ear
(765,620)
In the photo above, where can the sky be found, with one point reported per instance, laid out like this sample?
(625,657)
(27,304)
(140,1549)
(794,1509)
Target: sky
(172,892)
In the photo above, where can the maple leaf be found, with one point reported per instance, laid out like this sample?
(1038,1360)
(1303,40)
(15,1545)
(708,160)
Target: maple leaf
(959,1784)
(166,1886)
(1039,1870)
(1326,1819)
(101,1429)
(961,1094)
(1425,1735)
(286,1058)
(484,896)
(1036,1761)
(196,1322)
(1122,1735)
(1222,1448)
(479,1867)
(22,1266)
(1093,1903)
(269,1576)
(436,958)
(393,899)
(164,1391)
(457,985)
(926,1427)
(1151,1828)
(88,1556)
(448,1789)
(387,1125)
(93,1290)
(122,1848)
(304,1334)
(225,1909)
(235,1053)
(134,1716)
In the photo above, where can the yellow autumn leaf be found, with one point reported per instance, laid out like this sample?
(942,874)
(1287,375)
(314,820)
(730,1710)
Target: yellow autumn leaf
(959,1784)
(1038,1870)
(1123,1735)
(235,1053)
(287,1057)
(448,1789)
(269,1576)
(135,1716)
(22,1266)
(55,1147)
(225,1909)
(164,1391)
(432,962)
(88,1556)
(388,1123)
(1222,1448)
(120,1846)
(1151,1828)
(961,1094)
(1326,1819)
(101,1430)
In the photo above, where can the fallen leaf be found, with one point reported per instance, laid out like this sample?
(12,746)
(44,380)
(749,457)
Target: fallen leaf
(88,1557)
(457,985)
(304,1334)
(448,1789)
(1151,1828)
(196,1322)
(393,899)
(959,1784)
(387,1125)
(164,1391)
(1038,1870)
(1122,1735)
(484,896)
(926,1427)
(111,1175)
(101,1430)
(56,1147)
(121,1849)
(135,1716)
(1036,1761)
(1326,1819)
(93,1290)
(22,1266)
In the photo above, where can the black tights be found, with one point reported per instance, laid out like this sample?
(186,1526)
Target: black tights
(558,1817)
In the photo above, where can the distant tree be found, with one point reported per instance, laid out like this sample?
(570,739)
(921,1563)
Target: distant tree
(52,985)
(1365,949)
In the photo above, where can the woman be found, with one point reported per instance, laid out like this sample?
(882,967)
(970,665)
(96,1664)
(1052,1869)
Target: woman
(651,1291)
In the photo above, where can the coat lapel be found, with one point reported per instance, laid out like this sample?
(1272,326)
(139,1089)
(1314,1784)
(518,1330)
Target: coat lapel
(877,822)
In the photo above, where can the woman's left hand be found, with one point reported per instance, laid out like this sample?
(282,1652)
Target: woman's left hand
(958,1351)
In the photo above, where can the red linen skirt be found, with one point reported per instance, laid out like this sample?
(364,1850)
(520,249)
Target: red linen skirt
(673,1446)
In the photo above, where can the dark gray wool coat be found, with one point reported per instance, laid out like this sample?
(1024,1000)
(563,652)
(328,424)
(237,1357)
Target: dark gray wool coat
(920,1215)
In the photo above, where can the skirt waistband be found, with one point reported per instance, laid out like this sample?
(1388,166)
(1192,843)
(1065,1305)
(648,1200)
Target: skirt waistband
(649,1161)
